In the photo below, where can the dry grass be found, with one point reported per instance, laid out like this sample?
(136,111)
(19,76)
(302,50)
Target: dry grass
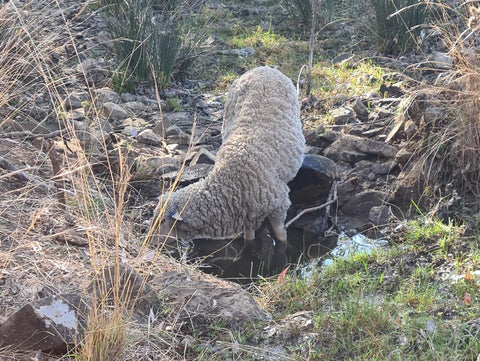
(446,137)
(52,247)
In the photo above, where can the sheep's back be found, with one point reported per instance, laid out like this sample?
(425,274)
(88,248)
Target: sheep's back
(262,127)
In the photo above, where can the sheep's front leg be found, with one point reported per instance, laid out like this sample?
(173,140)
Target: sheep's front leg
(277,220)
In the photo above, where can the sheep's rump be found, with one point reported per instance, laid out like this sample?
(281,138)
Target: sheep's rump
(262,126)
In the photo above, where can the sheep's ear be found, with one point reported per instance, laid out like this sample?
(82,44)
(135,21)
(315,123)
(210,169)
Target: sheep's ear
(176,216)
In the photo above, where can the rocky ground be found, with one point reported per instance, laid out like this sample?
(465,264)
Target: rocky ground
(66,128)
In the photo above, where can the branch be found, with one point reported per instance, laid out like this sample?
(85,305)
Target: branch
(308,210)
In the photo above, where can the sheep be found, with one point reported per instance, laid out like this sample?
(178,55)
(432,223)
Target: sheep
(262,150)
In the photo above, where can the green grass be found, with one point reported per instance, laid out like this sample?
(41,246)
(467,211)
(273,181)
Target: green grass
(331,79)
(396,304)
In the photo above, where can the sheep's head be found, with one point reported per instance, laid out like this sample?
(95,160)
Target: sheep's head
(168,220)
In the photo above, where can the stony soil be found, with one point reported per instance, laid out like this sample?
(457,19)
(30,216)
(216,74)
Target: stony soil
(46,249)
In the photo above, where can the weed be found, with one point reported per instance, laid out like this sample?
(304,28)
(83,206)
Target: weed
(172,104)
(398,23)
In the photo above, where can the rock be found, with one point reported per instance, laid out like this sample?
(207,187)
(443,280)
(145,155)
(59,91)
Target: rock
(433,113)
(134,107)
(114,112)
(182,138)
(127,97)
(203,156)
(313,180)
(410,128)
(104,95)
(441,60)
(201,104)
(360,110)
(342,148)
(381,168)
(242,53)
(352,156)
(74,100)
(149,167)
(95,71)
(176,117)
(173,130)
(200,299)
(379,215)
(147,136)
(128,284)
(356,207)
(343,115)
(51,324)
(403,156)
(189,175)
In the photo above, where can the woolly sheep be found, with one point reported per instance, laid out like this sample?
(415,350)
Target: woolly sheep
(262,150)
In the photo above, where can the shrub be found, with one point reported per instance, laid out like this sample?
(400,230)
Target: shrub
(147,39)
(398,23)
(301,10)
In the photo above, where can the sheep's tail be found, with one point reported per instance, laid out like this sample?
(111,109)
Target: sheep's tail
(298,79)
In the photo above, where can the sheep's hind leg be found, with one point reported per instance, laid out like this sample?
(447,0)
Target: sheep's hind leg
(249,237)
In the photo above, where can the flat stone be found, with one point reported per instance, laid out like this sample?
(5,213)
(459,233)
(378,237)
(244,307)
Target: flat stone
(51,324)
(175,117)
(340,148)
(147,136)
(74,100)
(198,298)
(189,175)
(343,115)
(114,112)
(104,95)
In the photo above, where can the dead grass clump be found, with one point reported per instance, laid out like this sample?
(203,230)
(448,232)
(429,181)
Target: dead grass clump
(442,125)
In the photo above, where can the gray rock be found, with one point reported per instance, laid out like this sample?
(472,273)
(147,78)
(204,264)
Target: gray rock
(51,324)
(189,175)
(343,115)
(201,104)
(176,117)
(344,145)
(181,139)
(379,215)
(114,112)
(354,213)
(74,101)
(381,168)
(95,71)
(203,156)
(135,107)
(433,113)
(147,136)
(410,128)
(352,156)
(360,110)
(173,130)
(127,97)
(104,95)
(403,156)
(210,300)
(313,180)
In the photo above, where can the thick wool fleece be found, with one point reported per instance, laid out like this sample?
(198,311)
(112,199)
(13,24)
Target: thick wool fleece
(262,150)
